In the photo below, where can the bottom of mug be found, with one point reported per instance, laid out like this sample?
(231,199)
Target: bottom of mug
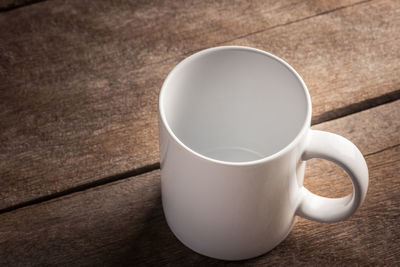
(234,154)
(235,257)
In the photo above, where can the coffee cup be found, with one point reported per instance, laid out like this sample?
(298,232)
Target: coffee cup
(235,136)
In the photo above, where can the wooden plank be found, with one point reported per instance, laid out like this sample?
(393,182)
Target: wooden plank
(371,130)
(79,94)
(368,127)
(122,223)
(345,57)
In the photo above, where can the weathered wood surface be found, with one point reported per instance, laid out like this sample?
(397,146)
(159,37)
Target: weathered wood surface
(122,223)
(80,79)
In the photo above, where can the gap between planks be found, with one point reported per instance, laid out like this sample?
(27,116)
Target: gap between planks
(346,111)
(83,187)
(18,4)
(356,107)
(187,53)
(281,25)
(190,52)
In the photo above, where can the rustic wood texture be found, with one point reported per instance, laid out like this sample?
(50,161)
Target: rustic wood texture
(80,79)
(122,223)
(345,57)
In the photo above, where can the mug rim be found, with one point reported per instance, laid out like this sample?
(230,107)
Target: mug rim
(289,146)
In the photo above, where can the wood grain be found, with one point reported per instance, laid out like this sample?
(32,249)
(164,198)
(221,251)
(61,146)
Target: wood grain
(122,223)
(341,55)
(80,79)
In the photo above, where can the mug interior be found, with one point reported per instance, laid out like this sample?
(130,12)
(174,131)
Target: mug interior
(234,104)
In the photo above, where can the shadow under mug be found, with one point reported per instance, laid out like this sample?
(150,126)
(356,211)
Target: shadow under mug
(234,137)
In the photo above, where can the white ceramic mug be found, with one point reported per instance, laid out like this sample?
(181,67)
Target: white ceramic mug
(234,137)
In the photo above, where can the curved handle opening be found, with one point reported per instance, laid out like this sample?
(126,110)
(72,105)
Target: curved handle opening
(341,151)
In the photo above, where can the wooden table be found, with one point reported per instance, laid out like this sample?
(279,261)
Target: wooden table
(79,164)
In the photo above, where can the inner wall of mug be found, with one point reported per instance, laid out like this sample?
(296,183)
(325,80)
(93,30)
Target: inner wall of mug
(234,104)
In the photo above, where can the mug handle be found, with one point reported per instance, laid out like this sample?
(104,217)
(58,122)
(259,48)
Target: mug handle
(341,151)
